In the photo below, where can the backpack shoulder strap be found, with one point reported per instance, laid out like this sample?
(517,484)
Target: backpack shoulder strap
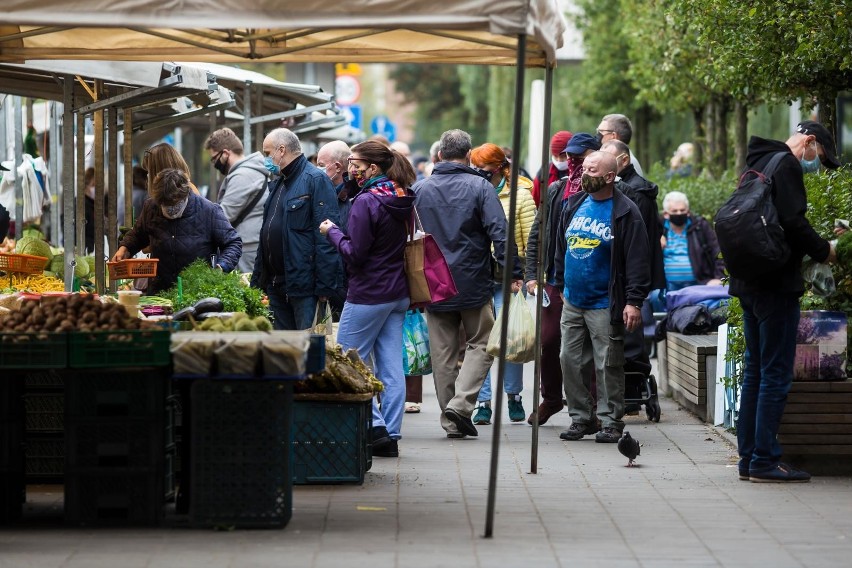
(773,163)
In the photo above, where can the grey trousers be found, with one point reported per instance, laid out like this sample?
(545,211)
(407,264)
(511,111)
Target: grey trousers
(456,387)
(606,350)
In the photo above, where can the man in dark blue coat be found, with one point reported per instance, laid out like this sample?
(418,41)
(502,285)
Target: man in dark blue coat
(462,212)
(295,265)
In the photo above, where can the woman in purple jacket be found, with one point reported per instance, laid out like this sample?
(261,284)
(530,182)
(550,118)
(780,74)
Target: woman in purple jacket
(373,252)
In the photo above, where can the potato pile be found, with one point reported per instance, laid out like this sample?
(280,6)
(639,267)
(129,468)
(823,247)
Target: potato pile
(77,312)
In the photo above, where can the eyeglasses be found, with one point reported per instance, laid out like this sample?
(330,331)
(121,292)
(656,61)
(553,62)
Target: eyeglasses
(215,158)
(604,132)
(351,159)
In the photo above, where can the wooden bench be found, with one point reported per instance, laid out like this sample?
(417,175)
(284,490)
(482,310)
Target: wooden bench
(690,369)
(816,429)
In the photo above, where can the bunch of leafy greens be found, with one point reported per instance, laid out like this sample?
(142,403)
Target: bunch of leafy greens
(199,281)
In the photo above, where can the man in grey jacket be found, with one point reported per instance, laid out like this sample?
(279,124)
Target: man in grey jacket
(242,192)
(460,209)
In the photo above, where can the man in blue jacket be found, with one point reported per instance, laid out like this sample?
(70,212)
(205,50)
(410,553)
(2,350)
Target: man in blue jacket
(460,209)
(295,265)
(602,267)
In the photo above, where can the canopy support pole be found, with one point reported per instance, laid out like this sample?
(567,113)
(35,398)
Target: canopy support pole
(98,221)
(507,284)
(53,168)
(81,184)
(68,147)
(541,261)
(19,159)
(127,148)
(247,117)
(112,180)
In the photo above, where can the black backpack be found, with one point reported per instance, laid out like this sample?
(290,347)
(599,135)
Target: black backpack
(750,237)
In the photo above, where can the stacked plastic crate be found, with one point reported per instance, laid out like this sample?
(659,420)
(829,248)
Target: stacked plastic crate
(115,419)
(44,405)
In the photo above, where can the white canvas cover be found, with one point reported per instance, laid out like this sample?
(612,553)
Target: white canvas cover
(461,31)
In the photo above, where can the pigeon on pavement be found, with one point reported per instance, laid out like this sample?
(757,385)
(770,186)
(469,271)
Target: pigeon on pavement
(629,448)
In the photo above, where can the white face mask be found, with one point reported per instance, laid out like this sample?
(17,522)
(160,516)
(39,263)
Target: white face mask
(174,211)
(560,165)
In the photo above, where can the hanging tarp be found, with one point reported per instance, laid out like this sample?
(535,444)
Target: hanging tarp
(463,31)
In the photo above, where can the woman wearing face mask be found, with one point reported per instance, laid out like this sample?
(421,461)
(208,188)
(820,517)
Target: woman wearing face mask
(690,248)
(558,167)
(373,252)
(179,226)
(490,160)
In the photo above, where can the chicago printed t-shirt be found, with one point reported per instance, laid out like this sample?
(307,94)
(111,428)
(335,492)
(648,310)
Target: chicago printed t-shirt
(587,255)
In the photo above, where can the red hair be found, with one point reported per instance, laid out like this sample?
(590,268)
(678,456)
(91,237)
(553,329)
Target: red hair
(490,155)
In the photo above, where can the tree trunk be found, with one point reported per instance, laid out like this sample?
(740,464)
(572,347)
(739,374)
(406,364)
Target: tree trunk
(641,143)
(712,144)
(699,140)
(740,135)
(827,113)
(722,112)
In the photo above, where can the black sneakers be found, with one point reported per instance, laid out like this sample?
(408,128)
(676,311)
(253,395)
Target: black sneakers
(608,436)
(463,423)
(577,431)
(781,473)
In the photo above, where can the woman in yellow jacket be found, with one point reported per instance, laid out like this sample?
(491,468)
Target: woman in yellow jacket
(491,162)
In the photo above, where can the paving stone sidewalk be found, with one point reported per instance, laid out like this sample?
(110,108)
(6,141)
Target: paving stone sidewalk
(682,507)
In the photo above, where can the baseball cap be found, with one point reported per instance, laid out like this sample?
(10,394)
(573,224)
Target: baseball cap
(823,137)
(581,142)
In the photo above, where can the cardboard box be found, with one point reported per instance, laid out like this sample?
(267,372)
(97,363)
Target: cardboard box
(821,346)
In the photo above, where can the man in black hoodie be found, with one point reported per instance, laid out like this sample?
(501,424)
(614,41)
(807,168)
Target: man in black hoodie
(771,302)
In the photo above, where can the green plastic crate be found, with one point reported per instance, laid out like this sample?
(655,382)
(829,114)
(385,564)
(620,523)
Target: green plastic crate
(33,350)
(125,348)
(330,441)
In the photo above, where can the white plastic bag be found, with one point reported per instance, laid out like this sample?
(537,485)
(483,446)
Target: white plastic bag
(520,334)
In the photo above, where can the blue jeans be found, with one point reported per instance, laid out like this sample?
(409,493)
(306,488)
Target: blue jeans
(289,312)
(770,322)
(377,330)
(513,382)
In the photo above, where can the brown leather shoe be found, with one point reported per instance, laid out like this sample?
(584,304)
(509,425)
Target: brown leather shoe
(545,411)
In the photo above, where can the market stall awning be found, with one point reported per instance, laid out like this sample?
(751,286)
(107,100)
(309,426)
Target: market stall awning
(464,31)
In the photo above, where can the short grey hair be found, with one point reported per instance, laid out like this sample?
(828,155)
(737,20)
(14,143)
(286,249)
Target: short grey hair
(285,137)
(455,144)
(434,149)
(675,197)
(338,151)
(621,125)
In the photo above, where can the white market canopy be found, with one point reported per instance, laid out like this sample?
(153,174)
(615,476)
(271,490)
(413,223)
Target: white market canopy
(228,31)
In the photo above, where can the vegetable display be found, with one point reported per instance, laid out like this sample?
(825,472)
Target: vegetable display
(76,312)
(343,373)
(200,281)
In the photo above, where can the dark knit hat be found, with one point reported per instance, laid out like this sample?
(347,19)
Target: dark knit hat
(558,142)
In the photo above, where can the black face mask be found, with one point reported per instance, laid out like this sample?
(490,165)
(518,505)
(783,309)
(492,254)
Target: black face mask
(221,166)
(483,173)
(679,220)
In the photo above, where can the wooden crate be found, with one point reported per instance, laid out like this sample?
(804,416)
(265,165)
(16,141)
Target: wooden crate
(690,364)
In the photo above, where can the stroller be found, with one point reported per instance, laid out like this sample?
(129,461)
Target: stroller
(640,386)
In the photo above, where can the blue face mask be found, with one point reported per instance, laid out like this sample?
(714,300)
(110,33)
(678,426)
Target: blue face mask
(810,166)
(273,168)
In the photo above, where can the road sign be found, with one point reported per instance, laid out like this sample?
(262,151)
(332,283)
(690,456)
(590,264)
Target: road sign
(353,115)
(382,125)
(347,89)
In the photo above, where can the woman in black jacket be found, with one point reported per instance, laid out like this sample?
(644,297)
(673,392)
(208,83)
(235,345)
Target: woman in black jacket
(179,228)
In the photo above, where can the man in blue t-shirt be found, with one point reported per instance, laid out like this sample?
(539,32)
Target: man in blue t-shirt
(603,269)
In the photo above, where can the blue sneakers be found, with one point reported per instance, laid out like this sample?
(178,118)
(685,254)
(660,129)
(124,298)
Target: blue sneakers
(482,416)
(780,473)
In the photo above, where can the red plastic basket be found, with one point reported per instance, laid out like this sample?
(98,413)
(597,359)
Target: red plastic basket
(23,263)
(133,268)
